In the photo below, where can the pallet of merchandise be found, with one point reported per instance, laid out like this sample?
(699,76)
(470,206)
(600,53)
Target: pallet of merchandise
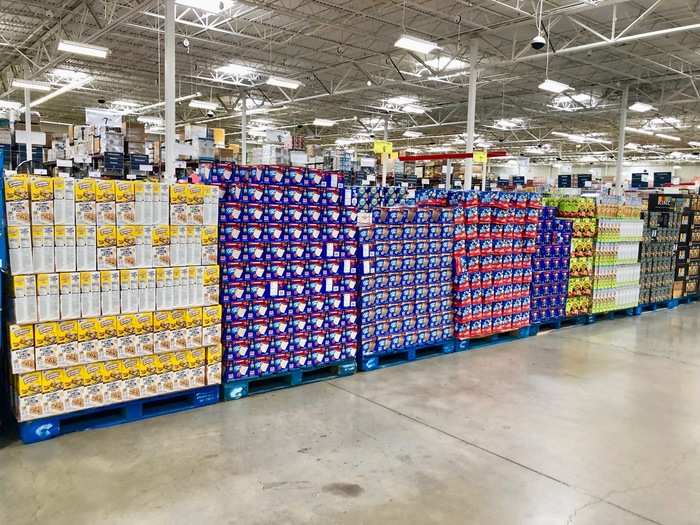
(493,339)
(688,299)
(612,314)
(45,428)
(652,307)
(405,355)
(249,386)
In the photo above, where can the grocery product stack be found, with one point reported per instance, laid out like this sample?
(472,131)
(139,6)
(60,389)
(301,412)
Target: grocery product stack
(582,211)
(687,271)
(495,237)
(550,268)
(370,197)
(616,266)
(288,248)
(114,292)
(662,218)
(406,281)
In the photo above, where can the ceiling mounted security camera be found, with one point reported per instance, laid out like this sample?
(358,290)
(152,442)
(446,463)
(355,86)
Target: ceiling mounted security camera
(538,42)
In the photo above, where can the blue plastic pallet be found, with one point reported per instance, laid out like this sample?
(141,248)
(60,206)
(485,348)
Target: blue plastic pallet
(624,312)
(489,340)
(117,414)
(405,355)
(257,385)
(688,299)
(652,307)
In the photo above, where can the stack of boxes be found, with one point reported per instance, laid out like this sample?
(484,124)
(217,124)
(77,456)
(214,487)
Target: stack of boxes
(288,243)
(114,291)
(495,237)
(135,146)
(662,217)
(616,266)
(687,272)
(550,268)
(406,279)
(370,197)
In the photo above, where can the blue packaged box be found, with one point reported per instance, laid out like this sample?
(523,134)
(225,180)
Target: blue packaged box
(279,326)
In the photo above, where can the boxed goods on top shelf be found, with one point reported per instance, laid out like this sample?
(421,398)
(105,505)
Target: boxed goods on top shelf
(114,292)
(406,279)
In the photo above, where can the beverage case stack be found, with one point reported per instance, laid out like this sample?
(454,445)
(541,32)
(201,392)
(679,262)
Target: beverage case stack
(114,292)
(616,266)
(687,271)
(581,210)
(550,268)
(288,257)
(495,238)
(406,279)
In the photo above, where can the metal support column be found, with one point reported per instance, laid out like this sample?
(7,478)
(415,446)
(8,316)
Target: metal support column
(448,175)
(471,112)
(169,82)
(244,129)
(28,126)
(385,156)
(621,137)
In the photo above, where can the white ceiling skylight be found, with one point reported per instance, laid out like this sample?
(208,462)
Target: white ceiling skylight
(415,44)
(446,63)
(211,6)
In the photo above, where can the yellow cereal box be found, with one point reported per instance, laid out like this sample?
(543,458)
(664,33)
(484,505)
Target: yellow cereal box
(211,275)
(193,317)
(124,191)
(106,327)
(16,188)
(130,367)
(126,325)
(41,188)
(93,373)
(177,319)
(179,193)
(105,190)
(106,236)
(209,235)
(85,190)
(196,357)
(28,384)
(67,331)
(143,322)
(46,334)
(179,359)
(160,235)
(21,336)
(151,364)
(112,371)
(211,315)
(74,377)
(127,235)
(213,354)
(52,380)
(87,329)
(167,362)
(161,321)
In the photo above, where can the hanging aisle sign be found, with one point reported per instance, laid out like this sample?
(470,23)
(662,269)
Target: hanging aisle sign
(480,157)
(383,146)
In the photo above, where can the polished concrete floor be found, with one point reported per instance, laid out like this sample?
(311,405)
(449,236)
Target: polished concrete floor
(589,425)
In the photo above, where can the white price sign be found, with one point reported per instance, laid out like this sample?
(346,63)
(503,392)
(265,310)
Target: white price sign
(64,163)
(95,174)
(180,164)
(146,167)
(40,171)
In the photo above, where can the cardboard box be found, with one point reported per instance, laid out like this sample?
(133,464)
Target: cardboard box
(48,303)
(43,248)
(19,240)
(65,248)
(86,247)
(70,295)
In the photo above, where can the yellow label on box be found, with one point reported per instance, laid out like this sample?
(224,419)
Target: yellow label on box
(161,321)
(93,373)
(209,235)
(24,285)
(211,275)
(105,190)
(195,195)
(130,367)
(16,188)
(177,319)
(143,322)
(46,334)
(28,384)
(160,235)
(179,360)
(41,188)
(179,193)
(46,283)
(52,380)
(84,190)
(193,317)
(126,235)
(67,331)
(21,336)
(74,377)
(124,191)
(126,325)
(196,357)
(150,364)
(88,329)
(112,371)
(106,327)
(211,315)
(214,354)
(106,236)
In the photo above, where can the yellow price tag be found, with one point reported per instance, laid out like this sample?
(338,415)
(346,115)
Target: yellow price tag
(394,155)
(480,157)
(382,146)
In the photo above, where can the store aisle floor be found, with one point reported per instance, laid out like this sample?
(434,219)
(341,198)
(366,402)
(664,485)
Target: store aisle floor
(586,425)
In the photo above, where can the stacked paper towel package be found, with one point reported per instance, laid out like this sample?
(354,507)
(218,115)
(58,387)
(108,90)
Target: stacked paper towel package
(288,248)
(114,291)
(406,279)
(495,237)
(370,197)
(550,268)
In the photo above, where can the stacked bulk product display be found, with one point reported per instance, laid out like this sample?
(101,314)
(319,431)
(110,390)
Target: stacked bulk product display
(662,218)
(114,292)
(288,246)
(582,211)
(495,237)
(550,268)
(687,272)
(616,266)
(369,198)
(405,283)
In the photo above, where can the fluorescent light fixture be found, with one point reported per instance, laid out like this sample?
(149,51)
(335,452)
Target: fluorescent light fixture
(33,85)
(146,119)
(235,70)
(412,134)
(401,100)
(446,63)
(413,43)
(505,123)
(212,6)
(161,104)
(641,107)
(640,131)
(694,144)
(9,104)
(68,74)
(667,137)
(61,91)
(411,108)
(78,48)
(553,86)
(283,82)
(203,104)
(257,133)
(580,139)
(126,103)
(56,123)
(324,122)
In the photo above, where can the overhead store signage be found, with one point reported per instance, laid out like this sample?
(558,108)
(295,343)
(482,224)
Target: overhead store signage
(480,156)
(640,180)
(383,146)
(519,179)
(662,178)
(584,180)
(564,181)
